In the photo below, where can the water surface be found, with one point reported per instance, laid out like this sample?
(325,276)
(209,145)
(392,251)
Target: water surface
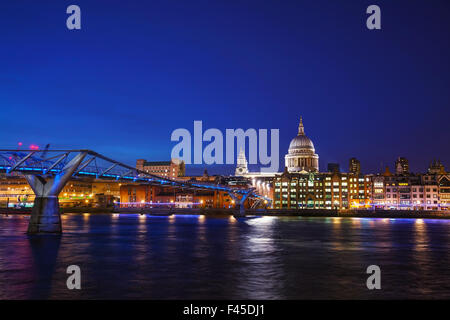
(132,256)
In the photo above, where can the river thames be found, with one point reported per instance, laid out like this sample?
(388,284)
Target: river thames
(131,256)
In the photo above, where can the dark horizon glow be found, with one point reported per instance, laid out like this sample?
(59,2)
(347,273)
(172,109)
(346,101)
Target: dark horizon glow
(138,70)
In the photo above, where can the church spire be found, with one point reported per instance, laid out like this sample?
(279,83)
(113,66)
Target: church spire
(241,167)
(301,129)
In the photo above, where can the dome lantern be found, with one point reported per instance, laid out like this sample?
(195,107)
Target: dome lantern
(301,129)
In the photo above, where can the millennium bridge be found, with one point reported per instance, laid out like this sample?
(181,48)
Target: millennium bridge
(48,171)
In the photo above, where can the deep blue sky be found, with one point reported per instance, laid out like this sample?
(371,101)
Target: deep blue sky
(140,69)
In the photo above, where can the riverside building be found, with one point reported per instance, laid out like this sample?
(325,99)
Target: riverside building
(405,190)
(78,192)
(328,190)
(303,186)
(387,191)
(166,169)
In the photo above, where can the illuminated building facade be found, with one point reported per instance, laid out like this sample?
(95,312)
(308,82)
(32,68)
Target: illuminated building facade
(404,191)
(76,193)
(166,169)
(378,192)
(444,192)
(360,191)
(15,191)
(387,191)
(147,196)
(354,166)
(310,191)
(136,195)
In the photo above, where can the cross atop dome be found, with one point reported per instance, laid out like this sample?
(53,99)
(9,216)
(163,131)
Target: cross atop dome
(301,128)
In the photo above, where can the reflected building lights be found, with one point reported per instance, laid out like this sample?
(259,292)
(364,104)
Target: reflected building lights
(421,237)
(256,245)
(336,220)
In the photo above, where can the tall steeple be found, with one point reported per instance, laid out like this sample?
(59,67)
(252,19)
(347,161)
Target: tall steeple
(301,129)
(241,167)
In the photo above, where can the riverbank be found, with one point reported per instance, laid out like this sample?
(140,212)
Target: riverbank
(408,214)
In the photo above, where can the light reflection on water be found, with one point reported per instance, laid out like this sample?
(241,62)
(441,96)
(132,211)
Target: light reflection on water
(143,256)
(264,270)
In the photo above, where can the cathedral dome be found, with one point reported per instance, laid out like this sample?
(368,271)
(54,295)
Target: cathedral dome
(301,155)
(301,143)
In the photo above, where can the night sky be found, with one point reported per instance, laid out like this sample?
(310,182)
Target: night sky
(137,70)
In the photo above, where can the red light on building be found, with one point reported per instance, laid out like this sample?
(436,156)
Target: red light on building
(34,147)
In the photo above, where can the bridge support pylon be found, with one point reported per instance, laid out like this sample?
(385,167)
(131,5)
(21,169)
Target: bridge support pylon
(240,203)
(45,215)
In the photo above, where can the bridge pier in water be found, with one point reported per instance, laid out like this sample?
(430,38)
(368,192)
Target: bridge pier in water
(240,203)
(45,215)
